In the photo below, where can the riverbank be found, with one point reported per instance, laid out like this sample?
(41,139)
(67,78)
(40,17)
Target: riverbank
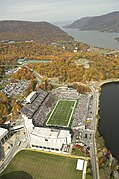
(117,38)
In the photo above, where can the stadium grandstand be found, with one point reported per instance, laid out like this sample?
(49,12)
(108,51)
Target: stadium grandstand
(34,109)
(31,108)
(66,93)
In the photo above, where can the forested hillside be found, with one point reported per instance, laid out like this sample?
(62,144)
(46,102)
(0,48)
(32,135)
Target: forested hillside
(32,31)
(108,22)
(66,65)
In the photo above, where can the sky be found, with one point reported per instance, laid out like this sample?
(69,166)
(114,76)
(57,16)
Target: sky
(54,10)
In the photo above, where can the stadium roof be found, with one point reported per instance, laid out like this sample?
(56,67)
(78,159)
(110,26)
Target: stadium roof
(50,133)
(80,164)
(45,143)
(3,132)
(30,109)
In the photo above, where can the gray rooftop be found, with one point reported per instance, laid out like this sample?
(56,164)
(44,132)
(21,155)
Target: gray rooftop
(30,109)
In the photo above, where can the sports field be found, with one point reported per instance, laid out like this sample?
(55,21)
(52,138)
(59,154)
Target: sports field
(38,165)
(62,113)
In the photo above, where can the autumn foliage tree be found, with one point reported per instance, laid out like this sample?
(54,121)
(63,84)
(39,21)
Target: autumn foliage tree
(15,108)
(23,74)
(4,107)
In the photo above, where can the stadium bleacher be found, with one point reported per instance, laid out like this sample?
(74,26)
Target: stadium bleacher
(38,109)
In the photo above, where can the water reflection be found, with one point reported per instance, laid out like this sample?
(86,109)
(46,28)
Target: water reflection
(109,117)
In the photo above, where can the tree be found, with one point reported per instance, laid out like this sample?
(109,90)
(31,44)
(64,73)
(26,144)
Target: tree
(15,108)
(3,98)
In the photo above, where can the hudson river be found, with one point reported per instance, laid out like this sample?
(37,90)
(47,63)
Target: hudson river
(109,117)
(95,38)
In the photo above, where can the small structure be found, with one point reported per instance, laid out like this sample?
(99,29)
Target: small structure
(83,61)
(31,97)
(63,47)
(75,49)
(80,164)
(21,61)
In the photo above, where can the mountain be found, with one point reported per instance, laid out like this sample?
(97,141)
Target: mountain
(108,23)
(27,31)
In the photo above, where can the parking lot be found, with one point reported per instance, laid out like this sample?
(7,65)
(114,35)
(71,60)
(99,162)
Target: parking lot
(13,89)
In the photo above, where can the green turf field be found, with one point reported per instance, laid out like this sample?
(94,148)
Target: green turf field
(62,113)
(38,165)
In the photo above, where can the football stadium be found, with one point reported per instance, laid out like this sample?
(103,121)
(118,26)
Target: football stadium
(48,118)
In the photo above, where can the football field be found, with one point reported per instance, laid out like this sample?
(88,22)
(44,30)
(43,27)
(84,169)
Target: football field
(39,165)
(62,113)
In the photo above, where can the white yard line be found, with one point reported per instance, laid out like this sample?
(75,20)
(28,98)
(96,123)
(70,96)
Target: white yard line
(52,112)
(72,113)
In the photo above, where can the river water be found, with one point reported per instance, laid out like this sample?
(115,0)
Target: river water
(109,117)
(92,37)
(95,38)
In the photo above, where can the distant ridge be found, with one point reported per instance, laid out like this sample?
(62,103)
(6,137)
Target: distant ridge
(108,22)
(36,31)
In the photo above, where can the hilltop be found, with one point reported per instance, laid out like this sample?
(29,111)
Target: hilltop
(36,31)
(108,22)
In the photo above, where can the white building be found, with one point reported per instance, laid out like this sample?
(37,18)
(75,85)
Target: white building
(3,135)
(49,139)
(75,49)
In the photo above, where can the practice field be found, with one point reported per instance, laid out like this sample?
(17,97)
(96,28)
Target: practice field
(62,113)
(38,165)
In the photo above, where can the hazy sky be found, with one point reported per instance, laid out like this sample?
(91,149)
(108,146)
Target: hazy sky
(54,10)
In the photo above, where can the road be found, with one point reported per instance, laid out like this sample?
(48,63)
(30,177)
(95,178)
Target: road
(38,76)
(93,150)
(10,155)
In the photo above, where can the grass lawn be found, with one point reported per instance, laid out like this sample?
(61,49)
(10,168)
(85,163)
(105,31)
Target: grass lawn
(89,177)
(62,113)
(38,165)
(76,151)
